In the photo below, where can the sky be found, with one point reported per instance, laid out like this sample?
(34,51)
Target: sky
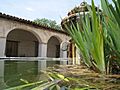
(32,9)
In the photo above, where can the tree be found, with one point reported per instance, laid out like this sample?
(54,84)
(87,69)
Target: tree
(48,22)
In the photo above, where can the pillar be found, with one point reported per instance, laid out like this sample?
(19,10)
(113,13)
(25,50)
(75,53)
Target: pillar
(64,49)
(77,57)
(42,52)
(2,46)
(63,54)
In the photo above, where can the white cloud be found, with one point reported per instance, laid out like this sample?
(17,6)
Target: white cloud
(51,9)
(29,9)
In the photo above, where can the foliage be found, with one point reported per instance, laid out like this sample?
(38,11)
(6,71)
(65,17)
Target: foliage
(55,82)
(89,38)
(112,25)
(48,22)
(52,83)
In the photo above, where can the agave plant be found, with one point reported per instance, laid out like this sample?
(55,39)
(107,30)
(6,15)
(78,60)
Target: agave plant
(89,38)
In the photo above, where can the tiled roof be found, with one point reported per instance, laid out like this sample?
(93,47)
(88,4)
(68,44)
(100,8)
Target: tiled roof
(13,18)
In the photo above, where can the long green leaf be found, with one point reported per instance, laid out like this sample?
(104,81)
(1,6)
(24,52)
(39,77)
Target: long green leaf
(89,40)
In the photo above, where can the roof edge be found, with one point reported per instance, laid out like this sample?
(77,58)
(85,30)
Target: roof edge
(14,18)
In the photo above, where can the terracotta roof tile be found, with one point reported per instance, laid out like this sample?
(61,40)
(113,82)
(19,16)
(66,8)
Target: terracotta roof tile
(14,18)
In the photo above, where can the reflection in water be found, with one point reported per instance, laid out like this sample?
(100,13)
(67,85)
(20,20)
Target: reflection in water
(14,73)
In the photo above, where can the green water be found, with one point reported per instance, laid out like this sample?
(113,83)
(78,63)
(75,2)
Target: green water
(15,73)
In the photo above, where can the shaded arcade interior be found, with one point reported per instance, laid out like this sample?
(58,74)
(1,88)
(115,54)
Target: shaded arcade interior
(22,43)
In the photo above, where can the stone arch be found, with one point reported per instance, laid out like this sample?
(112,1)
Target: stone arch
(28,30)
(22,43)
(53,47)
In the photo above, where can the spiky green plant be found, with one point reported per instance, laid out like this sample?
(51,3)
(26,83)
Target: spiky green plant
(51,83)
(89,38)
(112,24)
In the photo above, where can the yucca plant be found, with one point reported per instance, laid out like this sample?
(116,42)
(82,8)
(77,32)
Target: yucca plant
(89,38)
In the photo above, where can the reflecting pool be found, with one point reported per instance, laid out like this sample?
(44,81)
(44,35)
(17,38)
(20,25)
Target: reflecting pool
(18,71)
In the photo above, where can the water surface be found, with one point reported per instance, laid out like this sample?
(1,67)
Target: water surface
(18,71)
